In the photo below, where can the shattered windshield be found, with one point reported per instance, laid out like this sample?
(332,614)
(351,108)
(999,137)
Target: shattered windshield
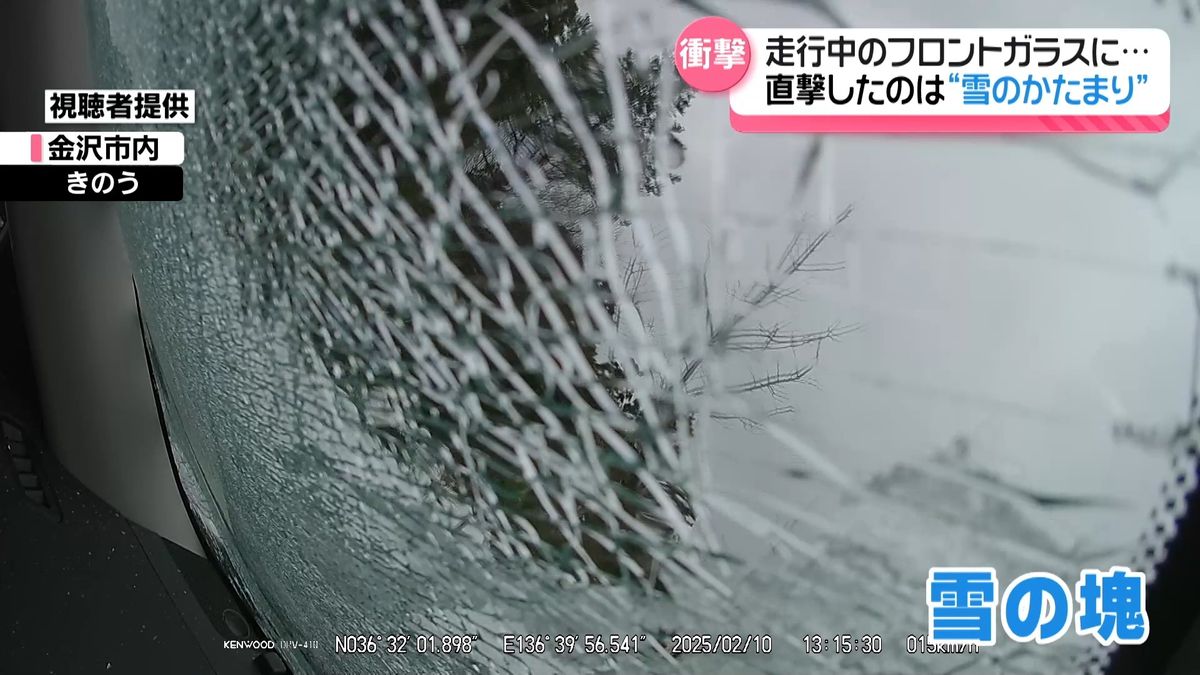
(476,321)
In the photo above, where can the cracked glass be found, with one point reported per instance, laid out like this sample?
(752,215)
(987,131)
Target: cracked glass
(475,321)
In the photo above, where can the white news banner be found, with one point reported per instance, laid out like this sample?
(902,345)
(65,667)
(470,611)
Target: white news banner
(102,148)
(120,106)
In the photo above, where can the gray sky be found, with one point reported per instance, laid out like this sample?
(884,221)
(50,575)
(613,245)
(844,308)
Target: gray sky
(1004,294)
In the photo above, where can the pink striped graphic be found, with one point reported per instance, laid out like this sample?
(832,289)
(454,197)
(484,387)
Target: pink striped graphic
(35,147)
(950,124)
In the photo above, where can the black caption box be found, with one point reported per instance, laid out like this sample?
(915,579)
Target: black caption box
(38,183)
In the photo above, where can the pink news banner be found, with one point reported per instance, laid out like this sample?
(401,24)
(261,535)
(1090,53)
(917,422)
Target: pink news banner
(932,80)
